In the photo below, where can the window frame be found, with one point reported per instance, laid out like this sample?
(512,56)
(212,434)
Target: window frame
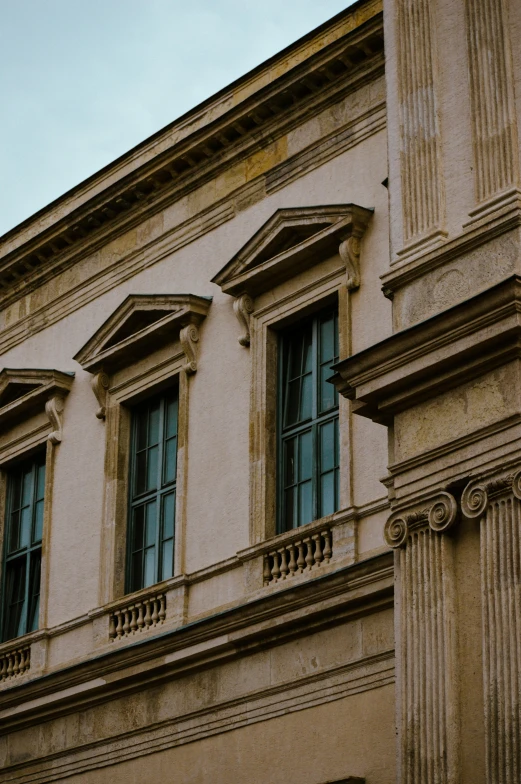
(36,461)
(313,424)
(164,489)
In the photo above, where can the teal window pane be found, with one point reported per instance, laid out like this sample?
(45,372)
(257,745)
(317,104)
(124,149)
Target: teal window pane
(152,468)
(150,524)
(170,461)
(150,567)
(167,568)
(308,422)
(152,502)
(305,456)
(168,515)
(22,549)
(305,503)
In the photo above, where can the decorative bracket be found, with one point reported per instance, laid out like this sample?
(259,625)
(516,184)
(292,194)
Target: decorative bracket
(440,516)
(100,385)
(189,337)
(349,251)
(475,497)
(243,308)
(54,410)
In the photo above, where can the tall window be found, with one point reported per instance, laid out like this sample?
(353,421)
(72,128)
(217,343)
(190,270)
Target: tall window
(152,492)
(23,548)
(308,450)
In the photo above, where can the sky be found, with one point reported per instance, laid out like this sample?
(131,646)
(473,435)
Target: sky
(83,81)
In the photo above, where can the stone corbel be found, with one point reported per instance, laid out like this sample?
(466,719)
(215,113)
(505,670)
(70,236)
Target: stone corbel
(349,251)
(476,496)
(189,337)
(100,386)
(243,308)
(439,516)
(54,410)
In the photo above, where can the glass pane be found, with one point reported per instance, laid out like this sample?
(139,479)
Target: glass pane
(34,591)
(290,446)
(40,483)
(136,571)
(140,482)
(38,522)
(15,599)
(25,526)
(151,523)
(327,446)
(305,503)
(167,566)
(327,340)
(14,532)
(170,461)
(328,393)
(327,494)
(153,425)
(138,528)
(289,517)
(306,398)
(27,492)
(150,567)
(171,417)
(168,515)
(17,491)
(153,456)
(294,356)
(307,354)
(305,456)
(141,426)
(292,403)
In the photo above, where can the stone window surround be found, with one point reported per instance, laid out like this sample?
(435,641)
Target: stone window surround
(141,362)
(31,422)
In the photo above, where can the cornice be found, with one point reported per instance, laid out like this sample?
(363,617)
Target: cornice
(24,392)
(363,587)
(448,349)
(187,163)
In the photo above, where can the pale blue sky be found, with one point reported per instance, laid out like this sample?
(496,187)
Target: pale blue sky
(82,81)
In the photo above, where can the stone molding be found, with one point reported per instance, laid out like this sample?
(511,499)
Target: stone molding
(449,349)
(422,183)
(122,269)
(143,322)
(494,126)
(25,392)
(332,597)
(272,110)
(439,515)
(495,499)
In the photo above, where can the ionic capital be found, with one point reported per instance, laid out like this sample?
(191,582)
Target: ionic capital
(440,514)
(476,496)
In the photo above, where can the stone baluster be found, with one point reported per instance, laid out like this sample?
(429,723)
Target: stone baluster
(301,561)
(148,616)
(155,613)
(328,551)
(283,563)
(292,566)
(319,557)
(275,571)
(309,552)
(162,608)
(3,668)
(266,575)
(133,618)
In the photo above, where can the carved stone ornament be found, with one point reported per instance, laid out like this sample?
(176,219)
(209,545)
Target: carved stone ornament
(26,392)
(54,410)
(349,251)
(243,308)
(440,515)
(293,240)
(100,385)
(189,337)
(476,496)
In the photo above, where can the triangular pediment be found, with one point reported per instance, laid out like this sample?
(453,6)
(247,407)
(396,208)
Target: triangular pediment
(292,240)
(141,324)
(25,391)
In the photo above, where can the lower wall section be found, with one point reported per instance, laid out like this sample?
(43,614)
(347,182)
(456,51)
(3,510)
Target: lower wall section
(319,706)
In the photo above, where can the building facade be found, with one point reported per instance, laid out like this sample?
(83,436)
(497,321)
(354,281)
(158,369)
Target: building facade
(260,428)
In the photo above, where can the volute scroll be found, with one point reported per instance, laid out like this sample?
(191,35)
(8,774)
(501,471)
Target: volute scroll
(440,515)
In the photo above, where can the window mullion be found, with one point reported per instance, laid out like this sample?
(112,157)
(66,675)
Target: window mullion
(160,463)
(314,413)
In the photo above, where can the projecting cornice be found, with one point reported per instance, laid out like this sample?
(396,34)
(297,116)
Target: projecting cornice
(144,323)
(451,348)
(237,122)
(25,392)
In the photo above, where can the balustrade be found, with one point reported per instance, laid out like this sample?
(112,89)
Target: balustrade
(15,662)
(139,616)
(295,557)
